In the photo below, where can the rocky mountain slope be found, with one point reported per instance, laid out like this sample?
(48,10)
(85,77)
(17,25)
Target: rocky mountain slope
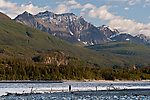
(115,36)
(65,26)
(76,30)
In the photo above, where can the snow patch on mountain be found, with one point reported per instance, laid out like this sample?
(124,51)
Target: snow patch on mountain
(71,33)
(79,40)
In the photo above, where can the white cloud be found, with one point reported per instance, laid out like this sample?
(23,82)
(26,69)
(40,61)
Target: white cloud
(133,2)
(68,2)
(12,9)
(146,4)
(126,8)
(117,0)
(129,26)
(76,6)
(147,0)
(6,4)
(88,6)
(130,2)
(30,1)
(118,22)
(61,9)
(2,11)
(82,14)
(66,6)
(72,2)
(101,12)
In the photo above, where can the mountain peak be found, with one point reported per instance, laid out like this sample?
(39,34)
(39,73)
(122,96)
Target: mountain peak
(46,12)
(81,18)
(26,13)
(142,36)
(66,14)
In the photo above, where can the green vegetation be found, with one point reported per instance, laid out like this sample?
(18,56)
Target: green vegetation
(131,53)
(18,70)
(123,48)
(18,41)
(22,41)
(60,58)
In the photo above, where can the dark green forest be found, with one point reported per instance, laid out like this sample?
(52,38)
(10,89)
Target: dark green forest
(18,70)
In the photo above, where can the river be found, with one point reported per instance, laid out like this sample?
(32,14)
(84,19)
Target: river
(100,90)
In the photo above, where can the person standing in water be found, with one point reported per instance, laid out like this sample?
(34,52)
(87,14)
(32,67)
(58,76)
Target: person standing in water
(69,88)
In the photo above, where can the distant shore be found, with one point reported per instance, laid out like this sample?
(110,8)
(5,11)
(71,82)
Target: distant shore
(103,80)
(60,81)
(28,81)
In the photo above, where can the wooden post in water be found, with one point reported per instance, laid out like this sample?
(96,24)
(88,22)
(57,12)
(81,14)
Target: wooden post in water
(31,90)
(96,88)
(69,88)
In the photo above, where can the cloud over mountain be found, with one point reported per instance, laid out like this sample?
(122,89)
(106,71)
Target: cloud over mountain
(130,2)
(13,9)
(118,22)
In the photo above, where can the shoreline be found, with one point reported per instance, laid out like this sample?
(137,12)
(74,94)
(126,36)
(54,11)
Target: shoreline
(105,80)
(60,81)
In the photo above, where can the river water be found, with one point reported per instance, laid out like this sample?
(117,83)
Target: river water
(104,90)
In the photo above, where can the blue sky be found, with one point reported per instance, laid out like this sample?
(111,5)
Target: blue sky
(130,16)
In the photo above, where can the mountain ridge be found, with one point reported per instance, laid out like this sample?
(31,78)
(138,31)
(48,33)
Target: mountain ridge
(66,26)
(75,29)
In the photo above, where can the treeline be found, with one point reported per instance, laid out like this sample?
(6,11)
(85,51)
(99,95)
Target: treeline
(14,70)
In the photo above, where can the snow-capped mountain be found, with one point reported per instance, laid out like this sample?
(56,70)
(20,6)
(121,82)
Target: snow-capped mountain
(115,35)
(65,26)
(108,31)
(75,29)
